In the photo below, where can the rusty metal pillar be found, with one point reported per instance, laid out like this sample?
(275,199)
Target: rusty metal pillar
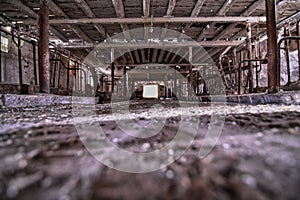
(250,56)
(273,79)
(44,73)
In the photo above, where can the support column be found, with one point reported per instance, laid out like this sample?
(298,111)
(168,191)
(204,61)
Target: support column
(298,43)
(112,58)
(34,62)
(287,55)
(175,82)
(250,65)
(68,73)
(273,79)
(0,56)
(20,61)
(190,70)
(112,76)
(124,81)
(44,72)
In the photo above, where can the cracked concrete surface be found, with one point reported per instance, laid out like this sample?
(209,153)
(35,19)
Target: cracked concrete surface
(256,157)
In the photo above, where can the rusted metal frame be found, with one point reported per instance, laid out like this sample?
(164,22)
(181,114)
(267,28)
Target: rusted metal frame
(240,70)
(278,54)
(70,68)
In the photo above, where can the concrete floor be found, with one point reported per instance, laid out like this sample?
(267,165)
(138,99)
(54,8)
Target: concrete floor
(256,157)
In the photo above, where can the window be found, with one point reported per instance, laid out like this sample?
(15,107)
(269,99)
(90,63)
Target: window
(4,44)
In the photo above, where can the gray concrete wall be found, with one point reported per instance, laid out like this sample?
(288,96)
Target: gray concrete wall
(10,65)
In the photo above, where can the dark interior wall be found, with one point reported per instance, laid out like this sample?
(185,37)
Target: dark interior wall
(10,63)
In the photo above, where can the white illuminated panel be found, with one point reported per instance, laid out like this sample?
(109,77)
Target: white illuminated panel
(150,91)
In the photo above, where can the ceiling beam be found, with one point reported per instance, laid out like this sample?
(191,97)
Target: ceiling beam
(154,55)
(197,8)
(90,14)
(146,8)
(222,11)
(167,56)
(226,6)
(292,19)
(146,13)
(245,13)
(161,55)
(171,7)
(59,12)
(195,12)
(160,45)
(183,57)
(143,55)
(124,21)
(252,7)
(120,12)
(18,4)
(176,54)
(137,56)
